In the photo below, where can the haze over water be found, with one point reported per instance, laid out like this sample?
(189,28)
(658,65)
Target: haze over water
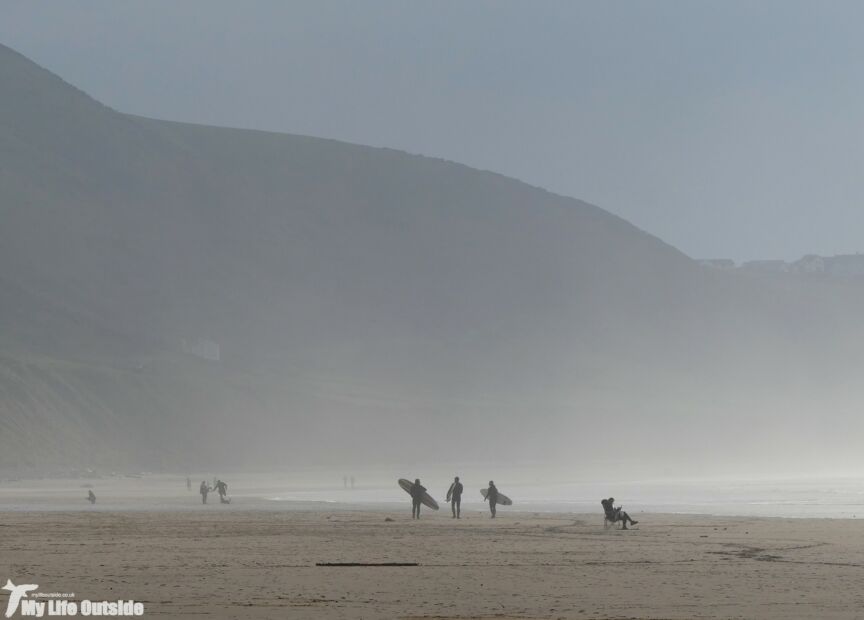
(793,498)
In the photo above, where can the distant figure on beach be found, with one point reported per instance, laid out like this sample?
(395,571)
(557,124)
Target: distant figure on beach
(454,497)
(345,481)
(352,482)
(492,497)
(204,490)
(613,515)
(188,483)
(91,496)
(222,489)
(417,491)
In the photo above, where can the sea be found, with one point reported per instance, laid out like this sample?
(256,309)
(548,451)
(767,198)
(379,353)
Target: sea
(822,497)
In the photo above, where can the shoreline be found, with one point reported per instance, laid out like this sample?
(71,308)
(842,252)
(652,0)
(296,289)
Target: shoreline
(833,500)
(394,510)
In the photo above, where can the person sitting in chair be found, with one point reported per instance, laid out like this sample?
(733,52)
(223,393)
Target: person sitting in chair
(613,515)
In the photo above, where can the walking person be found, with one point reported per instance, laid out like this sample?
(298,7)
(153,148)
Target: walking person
(454,498)
(417,492)
(222,489)
(492,497)
(204,489)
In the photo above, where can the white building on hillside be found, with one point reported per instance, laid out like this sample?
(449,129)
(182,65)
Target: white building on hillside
(809,264)
(845,265)
(840,265)
(766,266)
(723,264)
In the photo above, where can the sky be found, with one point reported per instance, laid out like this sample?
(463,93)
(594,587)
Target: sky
(728,129)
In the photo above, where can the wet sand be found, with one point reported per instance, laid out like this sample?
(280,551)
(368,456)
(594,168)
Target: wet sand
(237,563)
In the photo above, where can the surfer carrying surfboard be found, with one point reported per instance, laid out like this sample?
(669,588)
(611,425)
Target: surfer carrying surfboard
(418,496)
(454,497)
(492,497)
(417,492)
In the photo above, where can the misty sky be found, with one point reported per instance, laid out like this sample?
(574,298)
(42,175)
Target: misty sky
(728,129)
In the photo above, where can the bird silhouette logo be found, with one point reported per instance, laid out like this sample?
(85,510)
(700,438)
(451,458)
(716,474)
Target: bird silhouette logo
(16,593)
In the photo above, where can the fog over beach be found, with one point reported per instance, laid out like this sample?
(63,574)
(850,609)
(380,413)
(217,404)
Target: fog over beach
(838,498)
(383,309)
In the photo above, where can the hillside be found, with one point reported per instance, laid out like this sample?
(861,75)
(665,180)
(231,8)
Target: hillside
(350,290)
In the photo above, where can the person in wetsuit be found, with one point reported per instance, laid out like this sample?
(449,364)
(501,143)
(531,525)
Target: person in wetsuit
(222,489)
(91,496)
(454,497)
(492,497)
(204,490)
(417,491)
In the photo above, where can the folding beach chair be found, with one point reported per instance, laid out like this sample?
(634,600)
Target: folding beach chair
(610,517)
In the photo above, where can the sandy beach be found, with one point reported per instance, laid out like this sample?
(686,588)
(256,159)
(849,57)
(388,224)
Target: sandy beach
(236,563)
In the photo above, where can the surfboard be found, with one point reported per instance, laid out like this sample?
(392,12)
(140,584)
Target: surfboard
(427,499)
(503,500)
